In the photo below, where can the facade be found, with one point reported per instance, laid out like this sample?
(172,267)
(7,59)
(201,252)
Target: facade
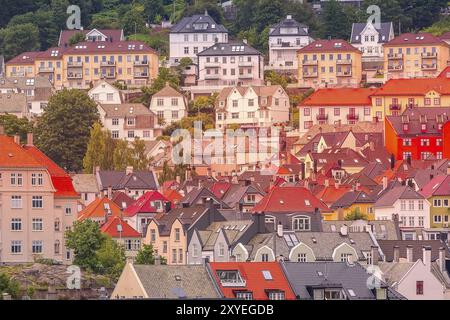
(124,234)
(193,35)
(261,106)
(129,121)
(105,93)
(370,40)
(412,55)
(168,105)
(130,62)
(437,192)
(329,63)
(230,64)
(419,134)
(285,38)
(336,106)
(39,204)
(86,186)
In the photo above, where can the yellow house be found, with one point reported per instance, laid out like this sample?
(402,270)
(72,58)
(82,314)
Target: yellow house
(329,63)
(80,66)
(415,56)
(398,94)
(351,202)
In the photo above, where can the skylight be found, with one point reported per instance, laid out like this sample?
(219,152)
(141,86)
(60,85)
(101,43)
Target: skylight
(351,293)
(267,275)
(307,202)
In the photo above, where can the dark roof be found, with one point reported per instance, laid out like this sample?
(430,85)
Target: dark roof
(333,45)
(384,30)
(114,34)
(198,194)
(304,276)
(288,22)
(187,216)
(186,25)
(229,49)
(387,246)
(350,198)
(119,180)
(394,194)
(408,39)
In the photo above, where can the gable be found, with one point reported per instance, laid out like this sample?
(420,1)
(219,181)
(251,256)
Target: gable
(302,248)
(344,248)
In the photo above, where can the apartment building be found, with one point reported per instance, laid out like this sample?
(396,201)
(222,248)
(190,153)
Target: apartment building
(410,55)
(169,105)
(193,35)
(230,64)
(130,62)
(285,38)
(261,106)
(38,204)
(336,106)
(329,63)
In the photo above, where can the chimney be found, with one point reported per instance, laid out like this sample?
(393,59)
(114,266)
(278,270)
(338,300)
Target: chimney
(109,192)
(374,253)
(29,139)
(350,260)
(167,206)
(289,17)
(372,146)
(280,230)
(448,168)
(427,257)
(2,130)
(358,186)
(97,169)
(344,230)
(409,253)
(327,183)
(245,41)
(178,179)
(442,260)
(385,183)
(268,83)
(17,139)
(396,254)
(129,170)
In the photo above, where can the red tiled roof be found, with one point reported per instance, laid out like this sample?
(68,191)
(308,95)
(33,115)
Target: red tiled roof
(255,282)
(13,155)
(24,58)
(328,46)
(120,197)
(289,199)
(173,196)
(65,35)
(409,87)
(438,186)
(220,188)
(445,36)
(143,204)
(96,209)
(331,194)
(340,97)
(131,47)
(407,39)
(110,228)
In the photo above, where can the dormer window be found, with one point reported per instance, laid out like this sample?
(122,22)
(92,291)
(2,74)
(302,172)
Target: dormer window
(381,293)
(230,278)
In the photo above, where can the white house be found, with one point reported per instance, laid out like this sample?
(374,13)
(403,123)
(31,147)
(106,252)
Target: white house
(105,93)
(412,208)
(285,38)
(169,105)
(260,106)
(194,34)
(369,39)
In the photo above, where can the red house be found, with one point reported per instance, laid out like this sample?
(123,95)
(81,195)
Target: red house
(251,280)
(419,133)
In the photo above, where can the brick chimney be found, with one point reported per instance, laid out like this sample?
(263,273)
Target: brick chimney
(374,253)
(129,170)
(427,257)
(2,130)
(30,139)
(442,265)
(17,139)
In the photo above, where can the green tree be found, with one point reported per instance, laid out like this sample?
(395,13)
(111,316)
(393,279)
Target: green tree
(85,239)
(165,76)
(145,255)
(76,38)
(275,78)
(122,155)
(17,39)
(63,130)
(139,159)
(152,9)
(335,20)
(133,21)
(14,125)
(95,149)
(110,258)
(355,214)
(9,285)
(440,27)
(108,155)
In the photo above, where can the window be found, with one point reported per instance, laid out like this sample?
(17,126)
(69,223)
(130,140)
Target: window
(221,249)
(244,295)
(250,115)
(115,134)
(174,255)
(57,247)
(235,115)
(437,203)
(37,179)
(403,205)
(152,235)
(131,121)
(301,257)
(160,102)
(411,204)
(437,219)
(130,134)
(265,257)
(276,295)
(421,219)
(420,204)
(307,112)
(411,221)
(186,50)
(57,225)
(194,250)
(407,142)
(177,234)
(110,96)
(68,211)
(180,256)
(16,202)
(16,224)
(301,224)
(235,103)
(164,246)
(174,114)
(337,112)
(344,256)
(37,224)
(419,288)
(37,202)
(36,246)
(16,179)
(16,246)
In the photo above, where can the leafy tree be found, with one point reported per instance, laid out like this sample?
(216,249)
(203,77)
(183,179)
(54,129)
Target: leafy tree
(355,214)
(106,20)
(139,159)
(440,27)
(63,130)
(76,38)
(275,78)
(152,9)
(85,239)
(203,104)
(133,20)
(95,149)
(335,20)
(165,76)
(108,155)
(110,258)
(122,155)
(200,6)
(17,39)
(14,125)
(145,255)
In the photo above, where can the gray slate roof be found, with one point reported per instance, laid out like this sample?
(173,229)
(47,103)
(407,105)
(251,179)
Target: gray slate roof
(85,183)
(357,28)
(382,229)
(185,25)
(402,192)
(289,23)
(233,231)
(13,103)
(119,180)
(160,281)
(303,276)
(229,49)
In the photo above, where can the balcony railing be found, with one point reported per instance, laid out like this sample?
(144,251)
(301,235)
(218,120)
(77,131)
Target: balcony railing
(344,74)
(429,55)
(310,74)
(18,74)
(74,64)
(394,56)
(352,117)
(75,76)
(233,283)
(245,76)
(245,64)
(429,66)
(108,64)
(212,64)
(322,117)
(212,77)
(310,62)
(141,75)
(344,61)
(395,68)
(284,45)
(109,75)
(395,106)
(46,69)
(141,63)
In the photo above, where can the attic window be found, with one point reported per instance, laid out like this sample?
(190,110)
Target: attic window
(267,275)
(351,293)
(357,38)
(177,278)
(307,202)
(319,273)
(281,202)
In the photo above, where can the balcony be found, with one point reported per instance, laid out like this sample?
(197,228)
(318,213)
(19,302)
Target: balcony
(18,74)
(344,74)
(310,62)
(75,76)
(352,117)
(322,117)
(212,76)
(245,76)
(212,64)
(141,75)
(344,61)
(395,68)
(109,75)
(74,64)
(429,55)
(395,56)
(141,63)
(46,69)
(412,105)
(310,74)
(245,64)
(283,45)
(107,64)
(429,67)
(233,282)
(395,107)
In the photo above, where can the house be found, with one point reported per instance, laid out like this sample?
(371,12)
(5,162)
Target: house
(285,38)
(129,121)
(169,105)
(146,207)
(86,186)
(412,208)
(124,234)
(94,35)
(202,196)
(169,233)
(105,93)
(173,196)
(14,104)
(122,199)
(336,281)
(329,63)
(251,281)
(420,55)
(194,34)
(352,202)
(164,282)
(80,66)
(243,198)
(437,192)
(132,183)
(336,106)
(230,64)
(419,134)
(295,208)
(261,106)
(100,210)
(38,204)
